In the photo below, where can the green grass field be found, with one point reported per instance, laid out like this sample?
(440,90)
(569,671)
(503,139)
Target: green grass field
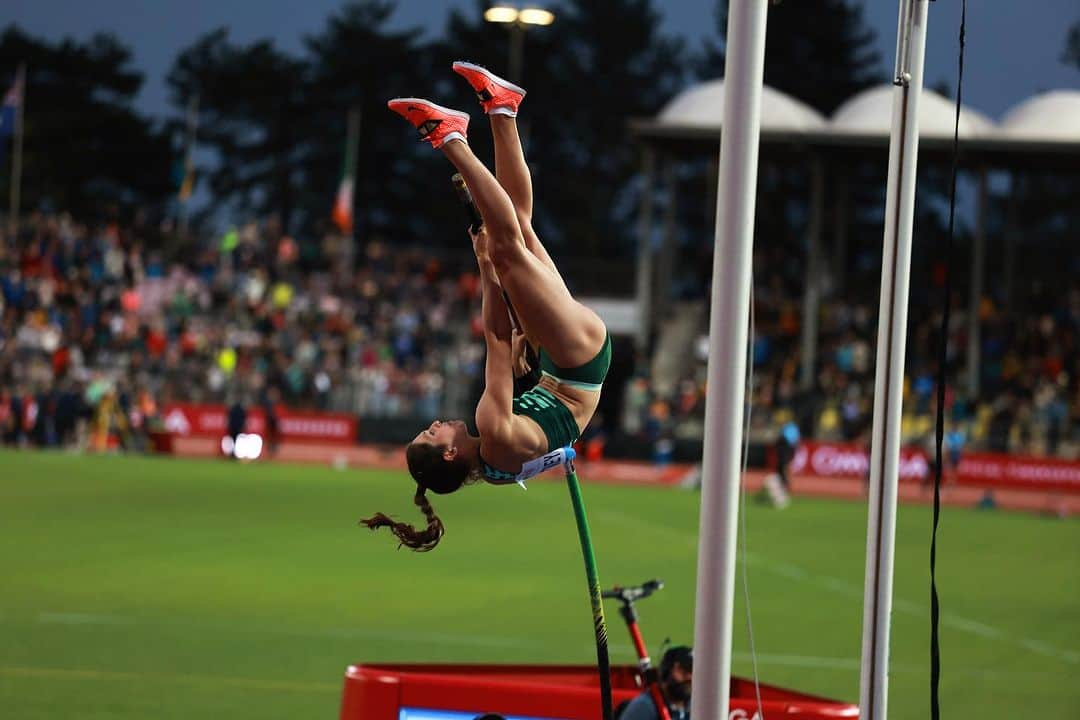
(138,588)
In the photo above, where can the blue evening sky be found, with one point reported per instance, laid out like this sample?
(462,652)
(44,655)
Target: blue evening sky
(1013,46)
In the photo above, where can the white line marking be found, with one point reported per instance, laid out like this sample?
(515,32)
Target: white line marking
(807,661)
(848,589)
(791,571)
(449,639)
(957,622)
(83,619)
(246,683)
(970,626)
(500,642)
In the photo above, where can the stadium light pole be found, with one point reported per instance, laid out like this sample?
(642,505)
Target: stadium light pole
(518,22)
(728,327)
(889,373)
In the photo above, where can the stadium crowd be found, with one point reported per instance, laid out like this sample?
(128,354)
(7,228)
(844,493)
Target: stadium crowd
(130,313)
(103,324)
(1029,379)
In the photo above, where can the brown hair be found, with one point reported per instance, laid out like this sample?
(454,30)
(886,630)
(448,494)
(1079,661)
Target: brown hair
(433,472)
(419,540)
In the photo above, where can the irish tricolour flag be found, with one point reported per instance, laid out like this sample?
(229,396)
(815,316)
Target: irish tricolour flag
(343,203)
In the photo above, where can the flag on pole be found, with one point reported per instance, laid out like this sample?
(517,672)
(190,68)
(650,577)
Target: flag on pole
(343,213)
(12,100)
(11,124)
(188,182)
(343,203)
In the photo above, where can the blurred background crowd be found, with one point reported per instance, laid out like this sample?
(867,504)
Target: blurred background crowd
(219,246)
(105,323)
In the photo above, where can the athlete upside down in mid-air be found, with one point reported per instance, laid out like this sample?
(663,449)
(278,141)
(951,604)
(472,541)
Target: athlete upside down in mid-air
(575,349)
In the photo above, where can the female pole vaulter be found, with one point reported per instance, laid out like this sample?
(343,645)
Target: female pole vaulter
(575,348)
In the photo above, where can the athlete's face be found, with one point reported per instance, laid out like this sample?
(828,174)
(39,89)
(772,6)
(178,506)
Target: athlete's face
(443,432)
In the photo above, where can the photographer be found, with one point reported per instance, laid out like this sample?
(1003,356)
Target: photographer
(676,673)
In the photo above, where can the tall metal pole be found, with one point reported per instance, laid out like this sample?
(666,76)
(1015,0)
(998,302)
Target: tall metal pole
(517,51)
(645,253)
(666,261)
(1018,187)
(978,274)
(352,148)
(724,404)
(889,377)
(841,231)
(16,156)
(812,270)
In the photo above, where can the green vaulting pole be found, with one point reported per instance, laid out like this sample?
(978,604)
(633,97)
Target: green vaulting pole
(593,577)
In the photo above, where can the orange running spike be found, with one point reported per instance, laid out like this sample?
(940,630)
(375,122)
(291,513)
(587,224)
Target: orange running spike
(497,96)
(436,124)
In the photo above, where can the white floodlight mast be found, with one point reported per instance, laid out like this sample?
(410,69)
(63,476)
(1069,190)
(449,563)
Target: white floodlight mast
(889,373)
(725,397)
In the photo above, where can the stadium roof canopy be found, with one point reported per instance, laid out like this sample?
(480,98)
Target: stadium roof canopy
(701,107)
(869,113)
(1041,132)
(1050,117)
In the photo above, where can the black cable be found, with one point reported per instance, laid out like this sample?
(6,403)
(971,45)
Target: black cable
(943,356)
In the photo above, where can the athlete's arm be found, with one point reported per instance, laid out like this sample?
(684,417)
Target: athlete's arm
(494,413)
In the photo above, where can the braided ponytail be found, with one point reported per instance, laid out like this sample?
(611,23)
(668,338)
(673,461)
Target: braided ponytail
(419,540)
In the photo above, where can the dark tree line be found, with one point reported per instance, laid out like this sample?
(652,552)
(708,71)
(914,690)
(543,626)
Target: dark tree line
(86,149)
(274,121)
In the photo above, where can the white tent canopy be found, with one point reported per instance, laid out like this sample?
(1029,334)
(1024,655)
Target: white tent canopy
(1043,130)
(1041,133)
(1048,117)
(870,113)
(702,106)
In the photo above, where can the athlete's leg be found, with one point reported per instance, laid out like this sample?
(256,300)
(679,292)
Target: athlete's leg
(513,174)
(496,208)
(568,331)
(501,99)
(511,170)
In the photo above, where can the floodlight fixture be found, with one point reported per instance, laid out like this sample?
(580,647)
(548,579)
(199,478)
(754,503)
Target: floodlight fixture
(501,14)
(535,16)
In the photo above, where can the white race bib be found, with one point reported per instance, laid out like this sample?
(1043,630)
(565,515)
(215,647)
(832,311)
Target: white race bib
(555,458)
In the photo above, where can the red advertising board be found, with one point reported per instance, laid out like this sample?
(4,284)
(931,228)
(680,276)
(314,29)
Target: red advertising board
(820,459)
(191,420)
(1019,471)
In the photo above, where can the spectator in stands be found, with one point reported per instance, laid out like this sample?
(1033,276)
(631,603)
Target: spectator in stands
(394,334)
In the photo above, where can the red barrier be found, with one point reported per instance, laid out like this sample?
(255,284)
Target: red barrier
(191,420)
(820,459)
(1018,471)
(831,460)
(535,692)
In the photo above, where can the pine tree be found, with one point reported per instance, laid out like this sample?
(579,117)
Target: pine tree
(819,51)
(85,147)
(601,62)
(250,98)
(357,61)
